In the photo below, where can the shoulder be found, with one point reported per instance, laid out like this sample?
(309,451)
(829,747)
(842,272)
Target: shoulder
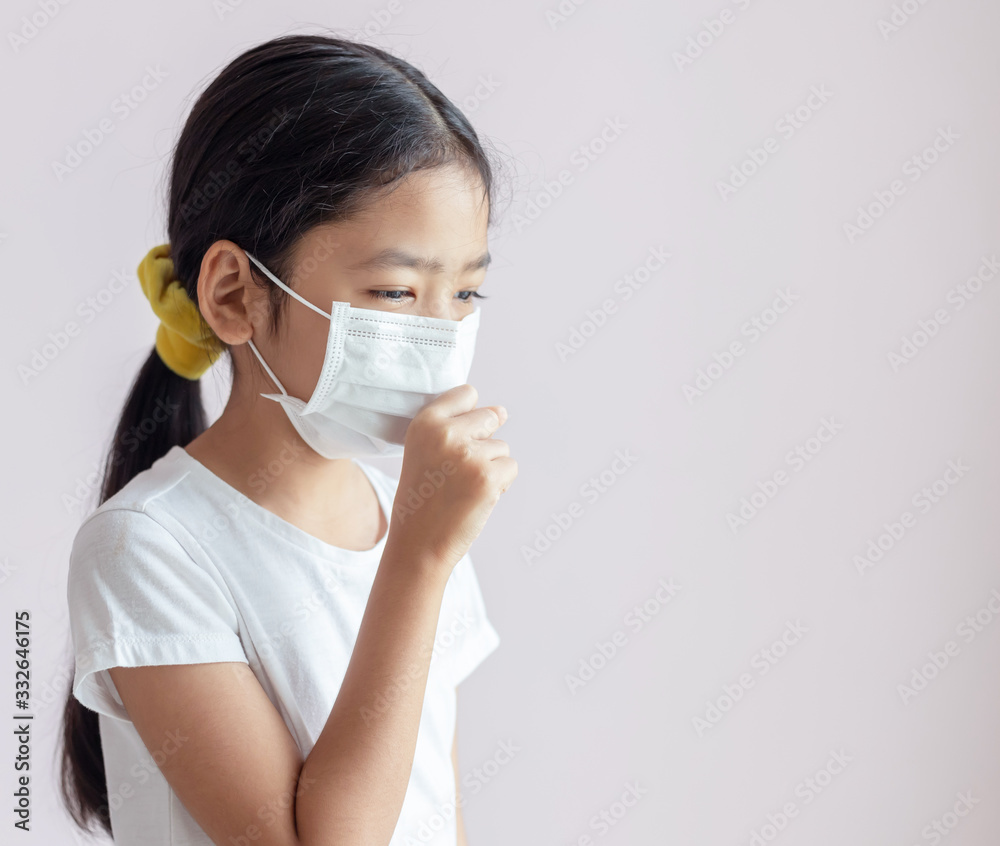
(163,477)
(127,569)
(117,543)
(137,516)
(140,528)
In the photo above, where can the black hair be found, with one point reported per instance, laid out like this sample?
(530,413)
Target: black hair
(299,131)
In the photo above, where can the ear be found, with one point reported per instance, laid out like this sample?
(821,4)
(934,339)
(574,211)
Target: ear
(231,303)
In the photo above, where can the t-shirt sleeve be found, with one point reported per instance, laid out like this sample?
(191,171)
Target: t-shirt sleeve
(476,637)
(136,598)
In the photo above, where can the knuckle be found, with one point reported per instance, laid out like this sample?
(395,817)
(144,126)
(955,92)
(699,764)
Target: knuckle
(446,436)
(422,418)
(455,445)
(470,391)
(484,478)
(466,453)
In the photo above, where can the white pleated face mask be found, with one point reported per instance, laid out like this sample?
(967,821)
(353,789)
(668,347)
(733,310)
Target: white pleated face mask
(380,369)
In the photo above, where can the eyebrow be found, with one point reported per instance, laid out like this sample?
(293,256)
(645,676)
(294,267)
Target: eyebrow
(394,257)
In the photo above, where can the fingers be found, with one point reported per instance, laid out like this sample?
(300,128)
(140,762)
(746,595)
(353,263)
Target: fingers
(506,470)
(454,401)
(456,408)
(493,448)
(481,423)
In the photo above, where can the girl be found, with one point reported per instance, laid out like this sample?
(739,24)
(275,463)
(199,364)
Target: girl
(261,654)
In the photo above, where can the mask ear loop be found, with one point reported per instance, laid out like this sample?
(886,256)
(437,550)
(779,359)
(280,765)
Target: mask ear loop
(297,296)
(281,284)
(270,372)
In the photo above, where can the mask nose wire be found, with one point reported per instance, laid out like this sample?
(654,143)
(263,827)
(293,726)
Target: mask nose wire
(297,296)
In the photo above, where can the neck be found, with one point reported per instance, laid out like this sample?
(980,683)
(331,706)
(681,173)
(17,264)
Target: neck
(255,449)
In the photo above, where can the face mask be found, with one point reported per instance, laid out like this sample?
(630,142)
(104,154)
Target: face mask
(380,369)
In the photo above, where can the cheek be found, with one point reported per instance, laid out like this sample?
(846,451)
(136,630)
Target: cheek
(302,355)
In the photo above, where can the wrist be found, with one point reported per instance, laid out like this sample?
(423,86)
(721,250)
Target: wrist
(411,560)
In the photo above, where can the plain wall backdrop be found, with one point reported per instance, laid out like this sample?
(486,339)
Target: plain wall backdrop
(744,317)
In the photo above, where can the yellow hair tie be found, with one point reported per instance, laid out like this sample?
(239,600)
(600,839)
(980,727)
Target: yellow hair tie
(184,341)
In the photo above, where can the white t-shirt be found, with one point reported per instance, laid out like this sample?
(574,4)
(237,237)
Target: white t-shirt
(179,567)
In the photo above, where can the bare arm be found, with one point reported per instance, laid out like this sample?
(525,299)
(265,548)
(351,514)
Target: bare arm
(235,766)
(361,762)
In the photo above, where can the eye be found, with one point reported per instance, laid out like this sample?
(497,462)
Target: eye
(464,296)
(387,295)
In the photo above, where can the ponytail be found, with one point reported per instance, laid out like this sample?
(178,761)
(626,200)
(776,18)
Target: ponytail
(162,410)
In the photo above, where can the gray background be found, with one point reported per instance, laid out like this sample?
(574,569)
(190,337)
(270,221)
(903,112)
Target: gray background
(553,89)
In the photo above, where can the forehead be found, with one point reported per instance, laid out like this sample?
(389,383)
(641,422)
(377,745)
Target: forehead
(439,216)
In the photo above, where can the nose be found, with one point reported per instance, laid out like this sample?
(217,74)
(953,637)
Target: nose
(441,306)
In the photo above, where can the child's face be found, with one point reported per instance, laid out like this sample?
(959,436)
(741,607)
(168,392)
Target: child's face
(438,215)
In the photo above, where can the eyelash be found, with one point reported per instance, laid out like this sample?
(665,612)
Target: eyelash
(384,295)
